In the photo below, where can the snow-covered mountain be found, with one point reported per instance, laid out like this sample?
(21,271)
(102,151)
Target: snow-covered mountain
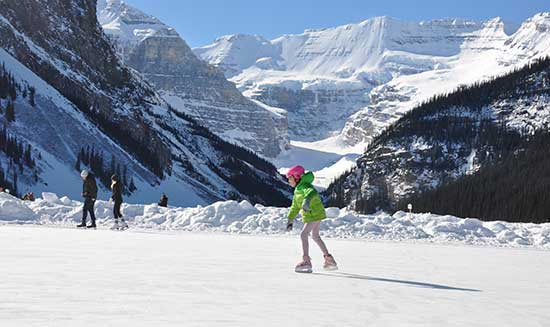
(85,100)
(450,136)
(357,79)
(189,84)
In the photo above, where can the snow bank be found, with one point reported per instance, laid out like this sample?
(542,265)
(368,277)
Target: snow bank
(12,209)
(244,218)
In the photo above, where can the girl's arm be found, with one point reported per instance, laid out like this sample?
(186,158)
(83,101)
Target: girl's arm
(295,207)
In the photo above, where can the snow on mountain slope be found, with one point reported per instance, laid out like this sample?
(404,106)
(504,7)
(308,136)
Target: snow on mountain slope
(87,97)
(245,50)
(359,78)
(189,84)
(342,86)
(475,127)
(58,131)
(487,53)
(128,24)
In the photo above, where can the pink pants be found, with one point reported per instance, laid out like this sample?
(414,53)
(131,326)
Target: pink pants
(313,228)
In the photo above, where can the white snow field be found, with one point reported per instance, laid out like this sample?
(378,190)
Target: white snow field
(69,277)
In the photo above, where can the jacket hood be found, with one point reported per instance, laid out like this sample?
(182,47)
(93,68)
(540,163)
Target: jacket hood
(307,178)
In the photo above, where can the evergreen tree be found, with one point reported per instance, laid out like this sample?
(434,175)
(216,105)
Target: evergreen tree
(132,186)
(32,95)
(14,186)
(125,175)
(113,165)
(10,112)
(78,164)
(118,172)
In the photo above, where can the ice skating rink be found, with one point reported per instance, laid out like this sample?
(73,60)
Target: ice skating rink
(68,277)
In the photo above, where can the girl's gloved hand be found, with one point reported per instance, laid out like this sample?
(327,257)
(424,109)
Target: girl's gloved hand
(289,226)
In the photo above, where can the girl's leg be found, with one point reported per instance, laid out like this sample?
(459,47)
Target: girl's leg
(317,238)
(304,236)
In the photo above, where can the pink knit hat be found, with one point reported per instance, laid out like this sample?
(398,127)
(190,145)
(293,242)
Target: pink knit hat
(296,172)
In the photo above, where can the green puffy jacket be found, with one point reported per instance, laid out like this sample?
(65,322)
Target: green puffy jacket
(303,191)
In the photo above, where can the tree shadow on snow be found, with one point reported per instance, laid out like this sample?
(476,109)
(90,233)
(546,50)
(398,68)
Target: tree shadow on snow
(398,281)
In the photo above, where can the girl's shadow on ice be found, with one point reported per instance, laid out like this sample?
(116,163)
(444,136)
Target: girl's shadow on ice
(387,280)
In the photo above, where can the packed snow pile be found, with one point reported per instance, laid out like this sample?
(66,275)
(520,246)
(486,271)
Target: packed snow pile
(12,209)
(244,218)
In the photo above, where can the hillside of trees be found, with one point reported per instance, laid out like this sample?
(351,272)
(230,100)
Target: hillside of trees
(453,126)
(19,156)
(517,189)
(94,160)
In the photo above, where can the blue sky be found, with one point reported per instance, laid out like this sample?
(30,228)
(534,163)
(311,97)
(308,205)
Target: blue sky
(202,21)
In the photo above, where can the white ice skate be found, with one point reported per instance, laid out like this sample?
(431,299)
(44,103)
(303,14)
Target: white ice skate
(123,225)
(330,263)
(115,226)
(304,266)
(119,225)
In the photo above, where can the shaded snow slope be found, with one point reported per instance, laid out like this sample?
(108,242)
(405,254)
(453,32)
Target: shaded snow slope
(86,96)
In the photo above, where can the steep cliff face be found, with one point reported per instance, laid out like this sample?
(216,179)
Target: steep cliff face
(62,43)
(189,84)
(86,99)
(367,75)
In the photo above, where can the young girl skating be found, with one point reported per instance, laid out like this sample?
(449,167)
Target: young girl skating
(307,200)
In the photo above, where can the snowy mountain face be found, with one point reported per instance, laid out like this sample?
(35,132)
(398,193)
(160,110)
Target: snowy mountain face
(189,84)
(355,80)
(87,100)
(448,137)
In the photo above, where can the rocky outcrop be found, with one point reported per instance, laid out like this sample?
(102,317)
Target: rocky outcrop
(189,84)
(314,114)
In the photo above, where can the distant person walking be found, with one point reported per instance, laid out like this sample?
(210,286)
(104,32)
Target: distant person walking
(89,193)
(117,188)
(28,197)
(163,201)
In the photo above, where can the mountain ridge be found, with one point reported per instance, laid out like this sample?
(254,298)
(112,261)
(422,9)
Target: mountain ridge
(89,99)
(189,84)
(369,73)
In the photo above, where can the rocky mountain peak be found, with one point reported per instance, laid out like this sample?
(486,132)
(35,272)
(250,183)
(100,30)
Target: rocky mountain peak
(189,84)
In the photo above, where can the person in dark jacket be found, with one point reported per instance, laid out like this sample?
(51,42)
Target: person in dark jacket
(28,197)
(89,193)
(117,188)
(163,201)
